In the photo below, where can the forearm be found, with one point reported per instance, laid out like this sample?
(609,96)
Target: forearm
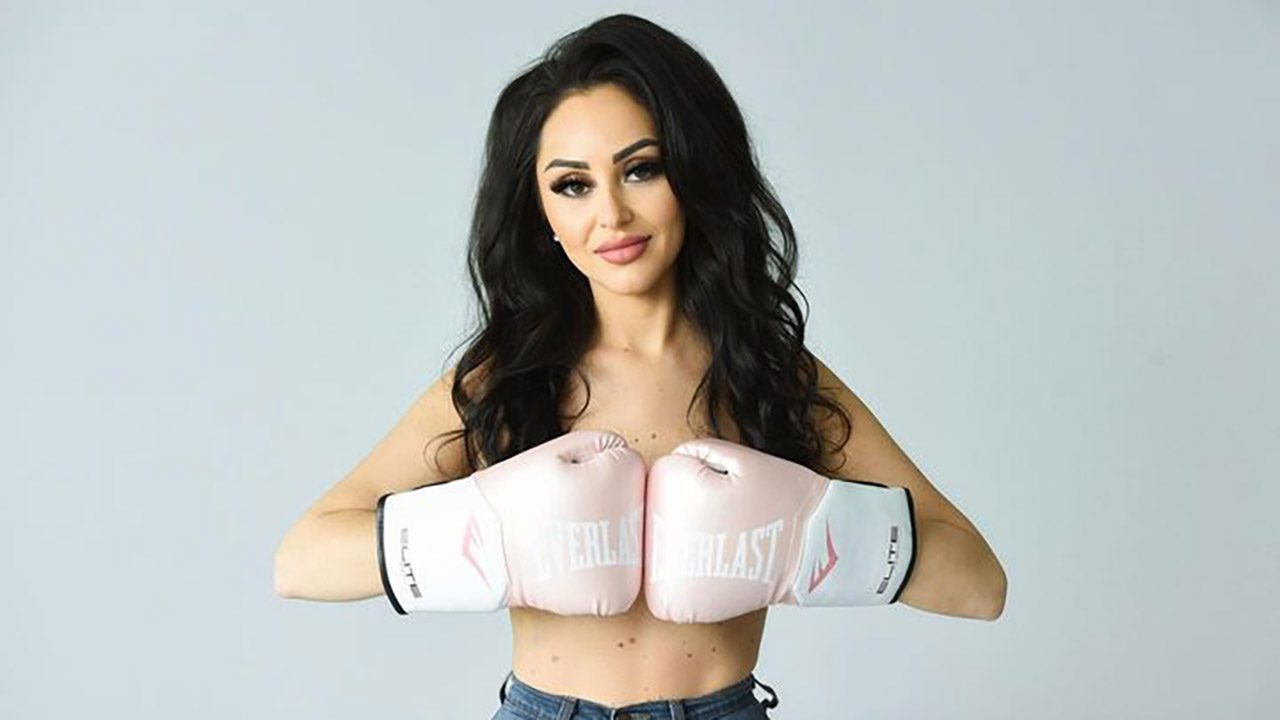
(332,557)
(955,573)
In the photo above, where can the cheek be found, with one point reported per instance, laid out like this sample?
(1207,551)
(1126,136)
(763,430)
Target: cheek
(672,213)
(673,222)
(570,223)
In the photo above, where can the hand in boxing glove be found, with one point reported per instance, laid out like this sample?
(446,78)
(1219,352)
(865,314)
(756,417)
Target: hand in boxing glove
(556,527)
(730,529)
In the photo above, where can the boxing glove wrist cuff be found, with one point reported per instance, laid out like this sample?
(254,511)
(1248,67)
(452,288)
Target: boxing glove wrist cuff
(440,548)
(859,546)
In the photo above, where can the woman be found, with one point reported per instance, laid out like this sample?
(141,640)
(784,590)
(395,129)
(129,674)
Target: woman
(622,257)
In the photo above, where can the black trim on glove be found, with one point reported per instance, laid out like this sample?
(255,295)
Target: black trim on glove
(382,560)
(915,548)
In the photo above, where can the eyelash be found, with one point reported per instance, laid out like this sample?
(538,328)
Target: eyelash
(655,170)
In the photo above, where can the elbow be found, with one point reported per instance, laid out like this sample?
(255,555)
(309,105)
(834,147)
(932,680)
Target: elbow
(1002,591)
(993,615)
(281,578)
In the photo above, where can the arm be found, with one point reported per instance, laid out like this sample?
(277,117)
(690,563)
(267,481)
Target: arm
(330,553)
(331,556)
(956,572)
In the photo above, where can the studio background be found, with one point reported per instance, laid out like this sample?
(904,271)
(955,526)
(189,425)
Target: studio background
(1038,239)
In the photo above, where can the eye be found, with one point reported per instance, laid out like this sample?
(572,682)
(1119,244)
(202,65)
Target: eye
(651,169)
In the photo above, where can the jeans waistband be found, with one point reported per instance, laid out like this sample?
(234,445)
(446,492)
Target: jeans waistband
(545,706)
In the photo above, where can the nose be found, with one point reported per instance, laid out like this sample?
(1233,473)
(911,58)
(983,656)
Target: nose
(613,209)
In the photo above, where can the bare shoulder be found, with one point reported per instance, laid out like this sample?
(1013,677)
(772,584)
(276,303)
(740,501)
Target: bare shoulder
(871,454)
(421,448)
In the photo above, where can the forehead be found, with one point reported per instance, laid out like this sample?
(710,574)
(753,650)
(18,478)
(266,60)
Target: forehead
(597,122)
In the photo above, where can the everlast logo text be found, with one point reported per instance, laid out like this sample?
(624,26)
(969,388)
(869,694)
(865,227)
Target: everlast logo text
(565,546)
(747,555)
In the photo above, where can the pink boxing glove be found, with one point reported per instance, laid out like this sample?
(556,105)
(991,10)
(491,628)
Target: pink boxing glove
(556,527)
(730,529)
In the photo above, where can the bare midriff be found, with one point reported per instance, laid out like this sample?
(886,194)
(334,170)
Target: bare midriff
(634,657)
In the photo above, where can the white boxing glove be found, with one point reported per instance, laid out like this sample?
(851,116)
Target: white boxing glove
(556,527)
(730,529)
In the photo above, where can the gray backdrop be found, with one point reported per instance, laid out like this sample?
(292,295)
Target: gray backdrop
(1039,240)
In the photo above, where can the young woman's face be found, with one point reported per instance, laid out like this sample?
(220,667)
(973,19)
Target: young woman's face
(600,178)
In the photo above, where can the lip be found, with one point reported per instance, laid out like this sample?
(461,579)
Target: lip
(622,242)
(625,254)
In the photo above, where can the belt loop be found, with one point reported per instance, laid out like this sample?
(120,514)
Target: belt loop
(567,706)
(677,709)
(772,702)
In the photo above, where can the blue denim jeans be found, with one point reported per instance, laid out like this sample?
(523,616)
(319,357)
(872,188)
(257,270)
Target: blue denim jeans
(736,702)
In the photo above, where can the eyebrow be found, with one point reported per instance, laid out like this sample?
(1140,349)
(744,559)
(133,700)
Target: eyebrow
(624,152)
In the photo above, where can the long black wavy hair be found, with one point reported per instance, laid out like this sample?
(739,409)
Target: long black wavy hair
(536,308)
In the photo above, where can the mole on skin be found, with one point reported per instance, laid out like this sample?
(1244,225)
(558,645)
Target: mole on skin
(753,640)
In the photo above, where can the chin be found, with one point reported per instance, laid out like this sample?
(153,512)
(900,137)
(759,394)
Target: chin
(626,279)
(627,288)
